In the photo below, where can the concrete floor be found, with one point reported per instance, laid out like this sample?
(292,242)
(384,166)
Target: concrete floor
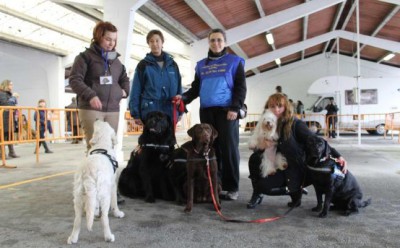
(36,208)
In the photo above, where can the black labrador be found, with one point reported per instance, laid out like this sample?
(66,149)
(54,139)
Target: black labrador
(146,172)
(340,190)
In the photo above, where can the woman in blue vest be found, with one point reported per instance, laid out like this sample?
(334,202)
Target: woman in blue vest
(220,82)
(156,82)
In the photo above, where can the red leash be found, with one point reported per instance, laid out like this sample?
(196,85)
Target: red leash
(181,109)
(264,220)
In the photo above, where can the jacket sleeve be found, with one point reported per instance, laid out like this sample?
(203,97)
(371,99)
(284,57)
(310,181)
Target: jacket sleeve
(193,92)
(334,152)
(4,99)
(302,132)
(135,96)
(179,80)
(124,81)
(77,77)
(239,88)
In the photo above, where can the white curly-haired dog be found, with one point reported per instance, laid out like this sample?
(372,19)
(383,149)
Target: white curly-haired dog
(95,185)
(265,130)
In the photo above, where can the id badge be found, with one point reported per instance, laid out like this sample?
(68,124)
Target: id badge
(105,80)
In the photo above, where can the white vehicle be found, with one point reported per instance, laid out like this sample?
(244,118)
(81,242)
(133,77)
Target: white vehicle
(378,96)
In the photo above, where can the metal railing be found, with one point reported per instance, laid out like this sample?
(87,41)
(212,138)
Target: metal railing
(21,127)
(318,123)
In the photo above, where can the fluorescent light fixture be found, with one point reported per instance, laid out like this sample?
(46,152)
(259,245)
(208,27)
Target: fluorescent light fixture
(388,57)
(278,61)
(270,38)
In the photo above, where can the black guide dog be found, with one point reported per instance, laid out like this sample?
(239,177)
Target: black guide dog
(146,173)
(340,190)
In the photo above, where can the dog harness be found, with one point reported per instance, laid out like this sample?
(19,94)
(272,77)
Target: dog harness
(155,146)
(327,167)
(114,162)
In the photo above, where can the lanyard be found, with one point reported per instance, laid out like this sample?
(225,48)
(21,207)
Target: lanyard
(105,59)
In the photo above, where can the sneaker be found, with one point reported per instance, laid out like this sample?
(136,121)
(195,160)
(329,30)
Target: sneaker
(232,195)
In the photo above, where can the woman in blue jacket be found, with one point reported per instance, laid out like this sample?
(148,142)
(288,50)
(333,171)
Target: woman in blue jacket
(220,83)
(156,82)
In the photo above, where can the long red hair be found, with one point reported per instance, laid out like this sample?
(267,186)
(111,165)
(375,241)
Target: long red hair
(286,120)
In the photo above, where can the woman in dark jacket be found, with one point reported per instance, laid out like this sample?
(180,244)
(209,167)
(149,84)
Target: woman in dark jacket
(156,82)
(293,134)
(6,97)
(99,79)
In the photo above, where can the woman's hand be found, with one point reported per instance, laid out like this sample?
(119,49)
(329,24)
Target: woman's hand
(342,163)
(96,103)
(138,122)
(177,99)
(232,115)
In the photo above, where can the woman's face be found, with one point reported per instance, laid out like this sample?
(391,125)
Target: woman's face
(216,42)
(108,41)
(156,44)
(277,109)
(10,87)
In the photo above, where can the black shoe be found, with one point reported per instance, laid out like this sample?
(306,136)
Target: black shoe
(255,200)
(48,151)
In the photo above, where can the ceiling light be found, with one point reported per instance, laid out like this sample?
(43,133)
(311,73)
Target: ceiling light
(270,38)
(278,61)
(388,57)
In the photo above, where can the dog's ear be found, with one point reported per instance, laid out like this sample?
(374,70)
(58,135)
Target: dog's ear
(327,150)
(214,133)
(191,131)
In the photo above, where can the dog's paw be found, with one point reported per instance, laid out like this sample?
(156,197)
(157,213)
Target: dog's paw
(72,240)
(349,212)
(317,209)
(150,199)
(323,214)
(271,171)
(109,238)
(187,210)
(118,213)
(283,166)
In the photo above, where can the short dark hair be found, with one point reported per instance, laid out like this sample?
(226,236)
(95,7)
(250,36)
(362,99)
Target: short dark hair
(217,30)
(154,32)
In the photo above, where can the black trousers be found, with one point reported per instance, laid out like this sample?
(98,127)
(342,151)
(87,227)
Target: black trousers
(226,145)
(332,126)
(264,185)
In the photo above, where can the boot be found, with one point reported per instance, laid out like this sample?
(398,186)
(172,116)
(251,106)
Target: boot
(11,152)
(256,197)
(46,148)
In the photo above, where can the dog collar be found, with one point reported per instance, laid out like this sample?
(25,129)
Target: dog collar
(155,146)
(324,170)
(114,162)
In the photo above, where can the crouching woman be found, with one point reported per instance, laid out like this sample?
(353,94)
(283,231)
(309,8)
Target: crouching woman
(293,134)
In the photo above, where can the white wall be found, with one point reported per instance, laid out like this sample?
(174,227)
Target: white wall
(35,75)
(297,77)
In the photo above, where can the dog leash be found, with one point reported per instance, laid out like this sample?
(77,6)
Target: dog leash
(104,152)
(263,220)
(181,109)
